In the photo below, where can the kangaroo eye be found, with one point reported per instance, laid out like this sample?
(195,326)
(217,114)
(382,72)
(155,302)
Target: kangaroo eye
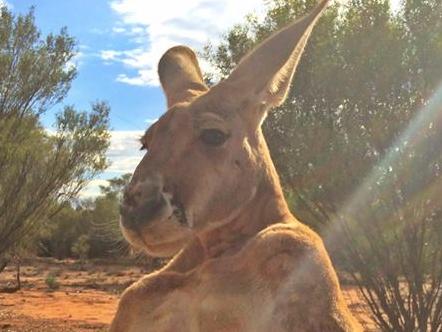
(213,137)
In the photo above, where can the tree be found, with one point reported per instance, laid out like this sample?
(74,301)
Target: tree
(105,235)
(81,247)
(357,145)
(40,168)
(88,226)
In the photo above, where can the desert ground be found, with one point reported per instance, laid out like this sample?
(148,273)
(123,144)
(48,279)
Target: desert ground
(68,295)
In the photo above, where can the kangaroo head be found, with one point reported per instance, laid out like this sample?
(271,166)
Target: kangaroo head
(206,156)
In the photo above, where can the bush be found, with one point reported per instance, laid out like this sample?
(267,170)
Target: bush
(397,263)
(81,247)
(51,282)
(40,169)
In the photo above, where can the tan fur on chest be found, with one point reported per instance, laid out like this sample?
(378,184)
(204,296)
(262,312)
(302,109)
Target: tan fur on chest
(278,282)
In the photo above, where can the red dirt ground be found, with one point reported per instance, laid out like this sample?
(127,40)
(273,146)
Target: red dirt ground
(86,297)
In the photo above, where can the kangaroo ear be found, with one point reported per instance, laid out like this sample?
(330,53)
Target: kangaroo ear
(265,74)
(180,75)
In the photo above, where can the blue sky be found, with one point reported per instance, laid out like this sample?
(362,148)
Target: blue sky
(119,45)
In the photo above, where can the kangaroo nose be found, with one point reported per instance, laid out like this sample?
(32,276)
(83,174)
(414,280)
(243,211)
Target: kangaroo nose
(141,203)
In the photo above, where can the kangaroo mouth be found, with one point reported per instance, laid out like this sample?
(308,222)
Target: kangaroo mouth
(165,206)
(178,211)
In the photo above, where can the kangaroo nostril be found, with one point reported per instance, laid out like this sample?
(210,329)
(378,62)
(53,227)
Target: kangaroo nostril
(137,215)
(165,188)
(128,197)
(136,194)
(142,202)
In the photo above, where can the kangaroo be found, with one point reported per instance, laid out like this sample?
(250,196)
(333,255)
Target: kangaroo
(207,193)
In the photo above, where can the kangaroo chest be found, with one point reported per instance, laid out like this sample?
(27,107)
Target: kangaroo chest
(216,298)
(272,284)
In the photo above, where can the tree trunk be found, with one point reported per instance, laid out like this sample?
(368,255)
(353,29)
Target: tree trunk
(18,262)
(3,264)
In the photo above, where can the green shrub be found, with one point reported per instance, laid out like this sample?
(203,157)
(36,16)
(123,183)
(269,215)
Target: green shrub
(81,247)
(51,281)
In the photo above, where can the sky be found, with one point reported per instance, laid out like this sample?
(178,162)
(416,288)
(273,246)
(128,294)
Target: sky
(119,45)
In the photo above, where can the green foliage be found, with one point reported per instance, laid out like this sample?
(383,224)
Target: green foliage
(81,247)
(41,168)
(60,233)
(397,263)
(34,70)
(88,230)
(116,186)
(51,281)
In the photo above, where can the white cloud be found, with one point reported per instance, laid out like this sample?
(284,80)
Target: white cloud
(150,121)
(144,77)
(76,61)
(118,29)
(395,5)
(93,188)
(124,152)
(124,155)
(4,3)
(110,55)
(153,27)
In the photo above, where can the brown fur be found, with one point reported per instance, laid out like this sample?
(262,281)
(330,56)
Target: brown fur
(242,262)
